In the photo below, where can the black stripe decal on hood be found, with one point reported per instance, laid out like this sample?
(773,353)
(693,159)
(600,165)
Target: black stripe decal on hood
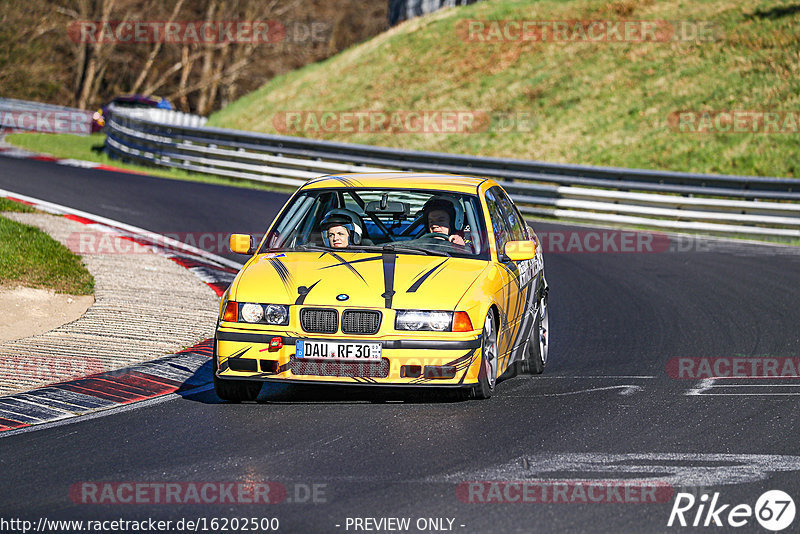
(303,291)
(349,264)
(362,260)
(388,277)
(422,279)
(283,273)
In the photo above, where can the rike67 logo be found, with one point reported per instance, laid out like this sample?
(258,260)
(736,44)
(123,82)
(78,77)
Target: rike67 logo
(774,510)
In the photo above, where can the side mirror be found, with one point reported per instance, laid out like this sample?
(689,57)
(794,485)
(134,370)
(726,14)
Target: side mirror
(242,244)
(520,250)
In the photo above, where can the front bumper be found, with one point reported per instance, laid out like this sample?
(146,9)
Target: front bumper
(241,354)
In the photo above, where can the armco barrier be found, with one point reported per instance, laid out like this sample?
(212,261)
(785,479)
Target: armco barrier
(166,117)
(21,115)
(759,206)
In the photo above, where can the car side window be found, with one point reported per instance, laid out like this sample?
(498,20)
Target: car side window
(511,215)
(300,224)
(500,226)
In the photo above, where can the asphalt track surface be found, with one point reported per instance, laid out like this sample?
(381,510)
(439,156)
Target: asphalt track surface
(606,407)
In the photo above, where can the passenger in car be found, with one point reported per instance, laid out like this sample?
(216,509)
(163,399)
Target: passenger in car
(341,228)
(338,236)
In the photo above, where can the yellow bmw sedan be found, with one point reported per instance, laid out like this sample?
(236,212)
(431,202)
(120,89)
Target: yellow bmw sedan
(386,279)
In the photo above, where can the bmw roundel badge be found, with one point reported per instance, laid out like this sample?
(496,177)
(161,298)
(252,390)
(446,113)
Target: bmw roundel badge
(342,297)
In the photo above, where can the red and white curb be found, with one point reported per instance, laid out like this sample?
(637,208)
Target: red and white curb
(171,374)
(176,373)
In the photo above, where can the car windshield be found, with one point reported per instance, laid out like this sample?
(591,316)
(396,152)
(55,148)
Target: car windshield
(403,221)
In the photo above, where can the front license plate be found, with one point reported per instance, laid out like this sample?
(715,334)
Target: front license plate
(331,350)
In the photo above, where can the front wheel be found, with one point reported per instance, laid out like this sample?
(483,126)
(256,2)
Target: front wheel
(233,390)
(487,376)
(236,390)
(538,345)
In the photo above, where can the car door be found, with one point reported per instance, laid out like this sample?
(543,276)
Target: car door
(522,276)
(508,294)
(528,273)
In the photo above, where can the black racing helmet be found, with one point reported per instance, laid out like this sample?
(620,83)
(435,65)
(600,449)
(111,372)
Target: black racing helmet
(447,205)
(342,217)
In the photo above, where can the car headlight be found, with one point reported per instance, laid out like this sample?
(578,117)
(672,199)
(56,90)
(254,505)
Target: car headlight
(276,314)
(251,312)
(436,321)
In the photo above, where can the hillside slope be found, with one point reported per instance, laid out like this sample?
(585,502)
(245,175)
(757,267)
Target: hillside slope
(574,100)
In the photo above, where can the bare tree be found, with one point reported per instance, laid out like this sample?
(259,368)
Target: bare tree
(60,64)
(151,58)
(93,56)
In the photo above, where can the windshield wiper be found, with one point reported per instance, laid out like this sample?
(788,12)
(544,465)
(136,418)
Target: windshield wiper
(352,248)
(365,247)
(409,250)
(311,246)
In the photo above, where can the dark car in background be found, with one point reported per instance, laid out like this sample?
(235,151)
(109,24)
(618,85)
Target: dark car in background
(128,101)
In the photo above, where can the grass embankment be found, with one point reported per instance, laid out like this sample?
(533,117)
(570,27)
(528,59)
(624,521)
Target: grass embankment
(90,148)
(596,103)
(31,258)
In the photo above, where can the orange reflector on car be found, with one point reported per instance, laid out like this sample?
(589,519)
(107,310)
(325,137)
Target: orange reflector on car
(231,312)
(461,322)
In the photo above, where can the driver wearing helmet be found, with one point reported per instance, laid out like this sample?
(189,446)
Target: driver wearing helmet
(440,216)
(341,228)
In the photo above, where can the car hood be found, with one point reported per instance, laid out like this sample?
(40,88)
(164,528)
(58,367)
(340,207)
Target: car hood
(322,278)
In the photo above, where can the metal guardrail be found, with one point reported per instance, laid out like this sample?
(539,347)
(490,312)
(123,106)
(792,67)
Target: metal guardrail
(161,116)
(21,115)
(748,205)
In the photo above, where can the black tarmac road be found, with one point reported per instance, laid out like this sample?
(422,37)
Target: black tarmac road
(608,409)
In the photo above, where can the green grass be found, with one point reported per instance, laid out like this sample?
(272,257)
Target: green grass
(10,205)
(31,258)
(89,148)
(596,103)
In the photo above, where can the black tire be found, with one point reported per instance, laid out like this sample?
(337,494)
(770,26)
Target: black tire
(513,370)
(486,383)
(234,390)
(534,362)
